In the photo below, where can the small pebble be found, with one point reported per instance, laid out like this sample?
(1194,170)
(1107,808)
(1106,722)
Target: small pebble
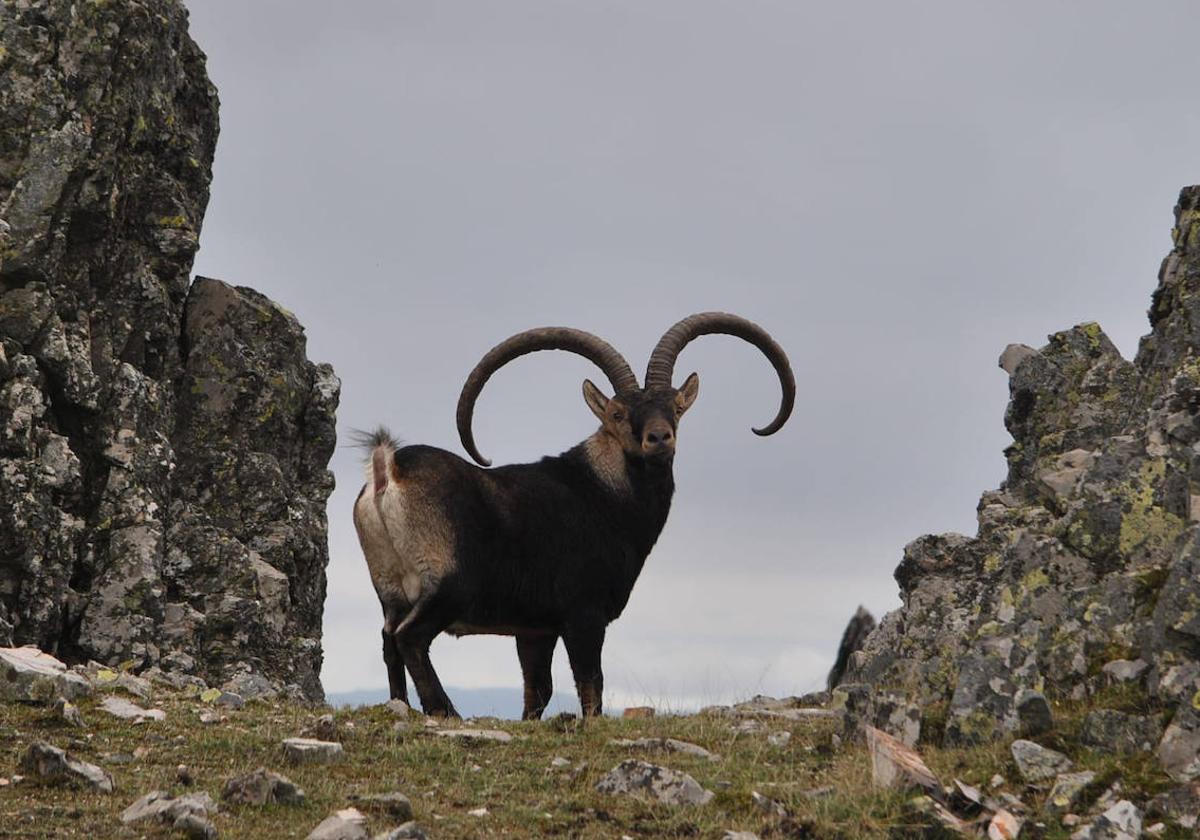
(183,775)
(478,812)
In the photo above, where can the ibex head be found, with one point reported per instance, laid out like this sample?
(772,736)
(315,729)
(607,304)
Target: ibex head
(643,419)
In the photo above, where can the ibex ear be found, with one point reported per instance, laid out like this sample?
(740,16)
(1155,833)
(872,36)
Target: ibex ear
(596,401)
(687,393)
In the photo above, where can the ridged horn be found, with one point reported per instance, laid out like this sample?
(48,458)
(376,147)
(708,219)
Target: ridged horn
(595,349)
(661,366)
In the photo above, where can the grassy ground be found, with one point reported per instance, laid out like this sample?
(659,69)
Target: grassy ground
(525,796)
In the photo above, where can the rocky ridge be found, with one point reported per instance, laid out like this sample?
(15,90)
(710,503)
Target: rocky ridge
(1083,581)
(163,444)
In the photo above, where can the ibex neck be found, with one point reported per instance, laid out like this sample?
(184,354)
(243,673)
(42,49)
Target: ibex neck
(606,458)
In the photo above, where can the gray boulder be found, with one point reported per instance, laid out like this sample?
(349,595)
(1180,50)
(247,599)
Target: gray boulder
(161,806)
(1036,762)
(48,762)
(1066,795)
(1179,749)
(394,805)
(29,675)
(1120,732)
(650,781)
(262,787)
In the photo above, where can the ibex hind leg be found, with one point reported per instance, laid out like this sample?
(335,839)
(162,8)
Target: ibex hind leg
(397,683)
(413,637)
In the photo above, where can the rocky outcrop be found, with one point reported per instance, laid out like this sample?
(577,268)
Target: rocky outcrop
(1085,570)
(163,445)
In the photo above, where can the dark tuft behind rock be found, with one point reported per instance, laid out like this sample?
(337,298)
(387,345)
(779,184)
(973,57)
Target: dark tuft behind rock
(860,626)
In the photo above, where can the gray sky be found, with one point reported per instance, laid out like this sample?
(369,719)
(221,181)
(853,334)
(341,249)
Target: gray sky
(894,190)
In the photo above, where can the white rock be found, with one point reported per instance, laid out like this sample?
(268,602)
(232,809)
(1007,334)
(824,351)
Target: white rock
(1125,670)
(336,828)
(779,739)
(665,745)
(352,815)
(478,812)
(126,710)
(312,751)
(1003,826)
(29,675)
(768,805)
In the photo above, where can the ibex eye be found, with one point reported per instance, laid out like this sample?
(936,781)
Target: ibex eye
(618,416)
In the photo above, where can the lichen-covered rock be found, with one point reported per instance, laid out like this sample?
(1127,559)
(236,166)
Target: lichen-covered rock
(1037,762)
(162,445)
(48,762)
(32,676)
(1085,569)
(160,806)
(1067,793)
(262,787)
(1120,732)
(1123,821)
(650,781)
(1179,749)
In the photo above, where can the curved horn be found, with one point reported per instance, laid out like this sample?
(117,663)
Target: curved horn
(591,347)
(662,361)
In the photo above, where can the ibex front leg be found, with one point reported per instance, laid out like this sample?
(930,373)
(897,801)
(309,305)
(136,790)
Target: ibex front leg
(536,654)
(584,641)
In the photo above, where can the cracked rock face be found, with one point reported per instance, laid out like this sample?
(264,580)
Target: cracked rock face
(163,443)
(1086,566)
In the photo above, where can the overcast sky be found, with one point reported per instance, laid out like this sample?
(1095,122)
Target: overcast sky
(894,190)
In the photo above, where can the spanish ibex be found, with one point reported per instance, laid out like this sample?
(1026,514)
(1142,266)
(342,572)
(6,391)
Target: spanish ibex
(536,551)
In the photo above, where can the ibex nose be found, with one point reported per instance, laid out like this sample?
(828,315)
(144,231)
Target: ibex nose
(661,436)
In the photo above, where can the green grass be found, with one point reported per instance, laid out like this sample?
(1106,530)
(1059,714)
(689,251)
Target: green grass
(526,797)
